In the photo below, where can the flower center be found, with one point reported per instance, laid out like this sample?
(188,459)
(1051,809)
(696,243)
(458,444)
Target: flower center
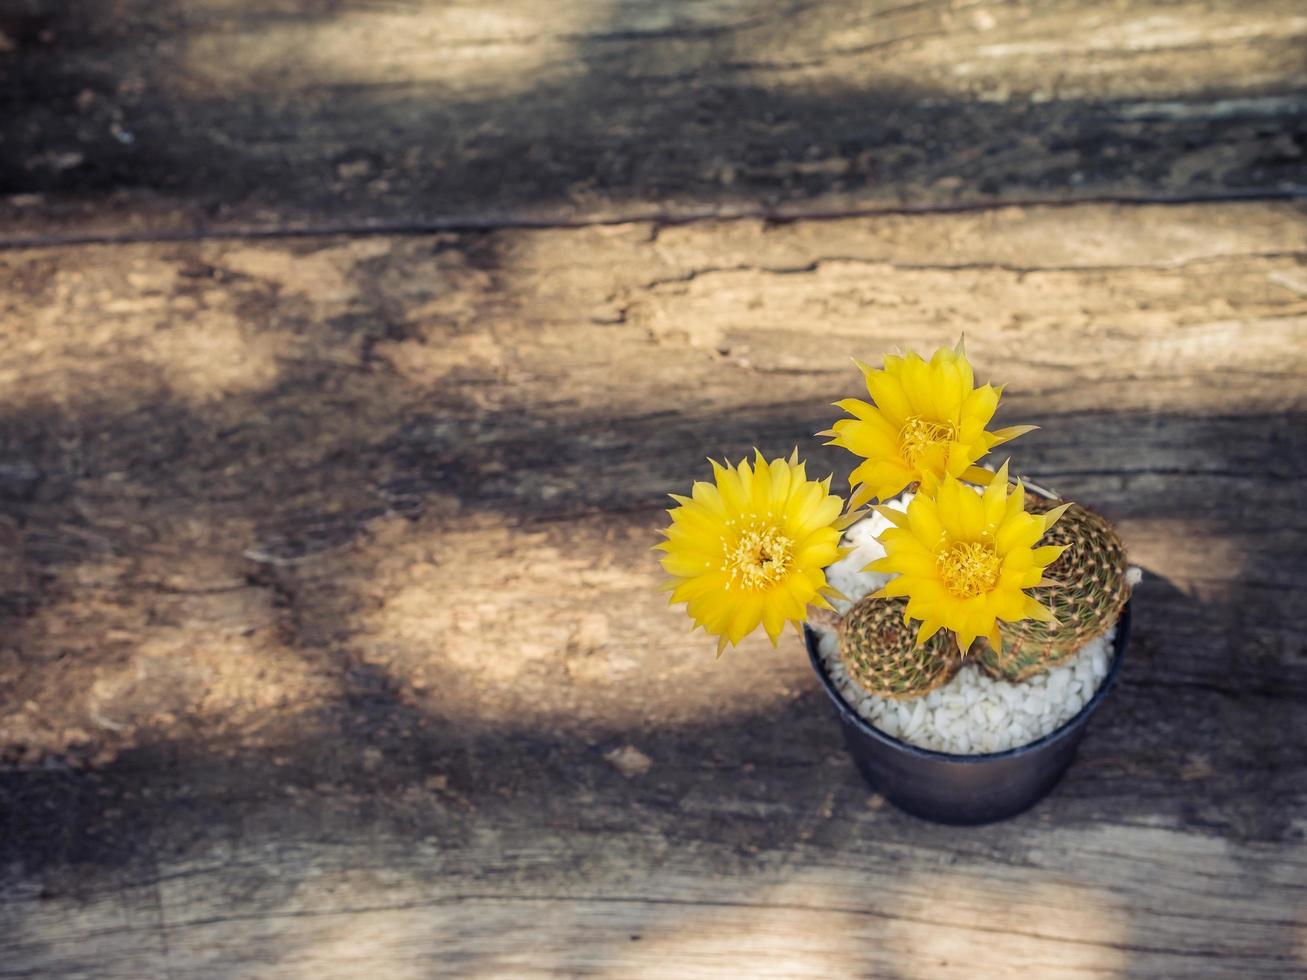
(918,435)
(968,570)
(760,558)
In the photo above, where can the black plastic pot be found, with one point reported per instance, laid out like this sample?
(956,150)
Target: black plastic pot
(964,789)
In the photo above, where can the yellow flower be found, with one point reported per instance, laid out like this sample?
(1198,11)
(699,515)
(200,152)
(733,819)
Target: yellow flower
(963,558)
(928,421)
(752,548)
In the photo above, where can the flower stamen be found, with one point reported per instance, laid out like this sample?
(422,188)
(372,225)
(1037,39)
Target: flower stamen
(918,435)
(760,557)
(969,569)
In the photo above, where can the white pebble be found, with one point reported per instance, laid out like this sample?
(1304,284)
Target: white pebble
(918,715)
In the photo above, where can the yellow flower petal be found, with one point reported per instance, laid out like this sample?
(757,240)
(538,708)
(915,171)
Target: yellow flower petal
(1037,610)
(862,495)
(949,500)
(976,474)
(923,518)
(887,392)
(1018,531)
(895,517)
(1048,554)
(1051,517)
(978,409)
(1011,432)
(928,629)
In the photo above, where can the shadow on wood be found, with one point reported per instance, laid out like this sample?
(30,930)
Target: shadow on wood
(144,119)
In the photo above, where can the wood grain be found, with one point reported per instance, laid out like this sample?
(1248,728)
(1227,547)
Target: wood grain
(351,347)
(332,593)
(141,118)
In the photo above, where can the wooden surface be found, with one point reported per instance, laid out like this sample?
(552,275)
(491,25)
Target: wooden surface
(183,117)
(326,599)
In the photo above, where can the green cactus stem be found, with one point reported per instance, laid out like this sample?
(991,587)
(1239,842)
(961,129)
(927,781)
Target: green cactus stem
(880,651)
(1088,592)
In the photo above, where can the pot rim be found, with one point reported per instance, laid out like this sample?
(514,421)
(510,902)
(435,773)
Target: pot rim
(850,714)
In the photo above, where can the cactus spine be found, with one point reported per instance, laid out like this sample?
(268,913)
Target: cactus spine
(879,651)
(1087,596)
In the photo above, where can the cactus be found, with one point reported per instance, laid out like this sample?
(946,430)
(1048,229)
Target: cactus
(880,651)
(1087,596)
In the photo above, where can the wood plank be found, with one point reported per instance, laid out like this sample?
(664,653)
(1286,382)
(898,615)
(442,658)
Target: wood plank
(142,118)
(793,868)
(330,591)
(823,911)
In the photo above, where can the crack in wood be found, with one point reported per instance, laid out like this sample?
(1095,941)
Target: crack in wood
(814,265)
(480,223)
(601,900)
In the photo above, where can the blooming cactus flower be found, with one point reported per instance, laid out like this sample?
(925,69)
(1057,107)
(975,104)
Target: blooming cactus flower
(927,421)
(750,548)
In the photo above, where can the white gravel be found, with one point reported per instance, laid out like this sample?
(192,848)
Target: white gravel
(972,713)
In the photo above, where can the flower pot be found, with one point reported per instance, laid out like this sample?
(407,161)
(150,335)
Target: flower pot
(964,789)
